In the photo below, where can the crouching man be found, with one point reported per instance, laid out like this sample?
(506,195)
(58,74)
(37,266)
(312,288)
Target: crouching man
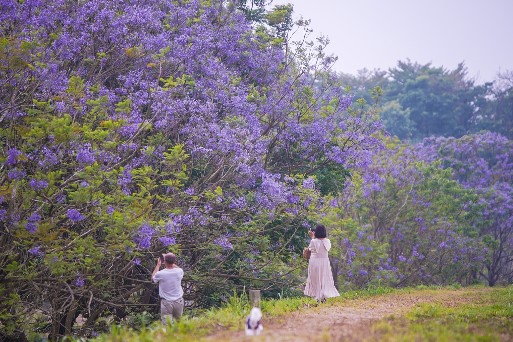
(170,288)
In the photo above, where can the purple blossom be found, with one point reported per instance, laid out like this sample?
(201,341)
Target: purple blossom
(12,156)
(309,183)
(32,222)
(144,235)
(38,184)
(36,251)
(238,203)
(168,240)
(15,218)
(223,242)
(60,198)
(79,281)
(75,215)
(85,155)
(125,179)
(292,199)
(110,210)
(16,174)
(49,158)
(34,217)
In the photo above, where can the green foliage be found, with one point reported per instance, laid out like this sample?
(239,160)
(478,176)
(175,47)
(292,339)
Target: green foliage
(397,120)
(330,179)
(494,111)
(419,101)
(254,10)
(280,18)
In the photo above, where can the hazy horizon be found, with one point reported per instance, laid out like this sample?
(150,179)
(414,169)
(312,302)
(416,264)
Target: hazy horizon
(374,34)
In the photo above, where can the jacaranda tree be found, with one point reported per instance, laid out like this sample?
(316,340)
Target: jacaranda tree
(405,221)
(129,128)
(484,163)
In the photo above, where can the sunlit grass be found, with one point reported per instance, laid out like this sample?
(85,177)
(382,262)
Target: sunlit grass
(484,316)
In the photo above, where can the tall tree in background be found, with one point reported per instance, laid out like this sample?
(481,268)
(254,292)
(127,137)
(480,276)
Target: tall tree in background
(254,10)
(421,100)
(440,102)
(495,112)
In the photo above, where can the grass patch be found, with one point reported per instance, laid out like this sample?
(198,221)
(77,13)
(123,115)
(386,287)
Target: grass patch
(193,327)
(475,314)
(484,315)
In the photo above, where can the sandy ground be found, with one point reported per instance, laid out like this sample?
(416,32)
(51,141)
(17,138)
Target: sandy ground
(348,321)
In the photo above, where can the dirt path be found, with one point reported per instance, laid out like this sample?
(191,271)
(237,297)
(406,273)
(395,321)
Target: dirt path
(348,321)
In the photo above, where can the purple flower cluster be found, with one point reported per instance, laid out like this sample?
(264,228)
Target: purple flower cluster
(75,215)
(85,155)
(143,236)
(38,184)
(36,251)
(16,174)
(12,156)
(79,281)
(32,222)
(224,243)
(168,240)
(48,158)
(309,183)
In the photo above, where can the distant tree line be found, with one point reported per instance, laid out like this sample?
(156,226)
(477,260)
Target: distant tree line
(419,101)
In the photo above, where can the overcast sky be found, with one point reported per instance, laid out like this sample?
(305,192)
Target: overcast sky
(377,33)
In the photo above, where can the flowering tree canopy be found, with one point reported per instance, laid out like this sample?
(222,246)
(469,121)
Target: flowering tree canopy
(131,128)
(405,221)
(438,212)
(484,163)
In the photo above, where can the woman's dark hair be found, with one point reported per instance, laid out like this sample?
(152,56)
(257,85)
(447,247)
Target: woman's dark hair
(320,231)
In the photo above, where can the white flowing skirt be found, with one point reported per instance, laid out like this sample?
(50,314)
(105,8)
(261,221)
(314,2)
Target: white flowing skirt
(319,283)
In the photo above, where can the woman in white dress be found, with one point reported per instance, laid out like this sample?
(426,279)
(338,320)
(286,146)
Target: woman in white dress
(320,284)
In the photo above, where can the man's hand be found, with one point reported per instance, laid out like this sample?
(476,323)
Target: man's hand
(157,268)
(311,234)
